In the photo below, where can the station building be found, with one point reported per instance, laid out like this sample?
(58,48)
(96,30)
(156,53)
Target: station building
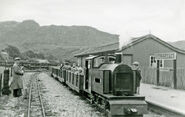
(146,50)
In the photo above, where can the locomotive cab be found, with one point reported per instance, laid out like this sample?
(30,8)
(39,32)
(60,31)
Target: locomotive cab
(108,77)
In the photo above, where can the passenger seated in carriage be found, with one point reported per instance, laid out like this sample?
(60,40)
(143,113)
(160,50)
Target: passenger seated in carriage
(74,67)
(80,70)
(67,66)
(61,66)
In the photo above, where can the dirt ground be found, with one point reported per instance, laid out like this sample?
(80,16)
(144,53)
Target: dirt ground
(14,107)
(58,100)
(63,102)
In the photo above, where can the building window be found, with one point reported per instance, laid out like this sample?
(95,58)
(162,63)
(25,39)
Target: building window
(97,80)
(153,62)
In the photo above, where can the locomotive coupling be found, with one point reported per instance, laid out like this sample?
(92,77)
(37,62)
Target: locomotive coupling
(130,111)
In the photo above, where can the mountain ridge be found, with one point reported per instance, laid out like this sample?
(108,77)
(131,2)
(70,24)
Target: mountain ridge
(29,35)
(58,40)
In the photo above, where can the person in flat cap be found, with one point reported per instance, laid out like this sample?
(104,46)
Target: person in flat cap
(17,73)
(137,70)
(136,66)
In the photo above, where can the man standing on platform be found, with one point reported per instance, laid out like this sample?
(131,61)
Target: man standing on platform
(137,70)
(17,83)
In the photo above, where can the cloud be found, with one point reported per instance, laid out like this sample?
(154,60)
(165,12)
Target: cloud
(165,18)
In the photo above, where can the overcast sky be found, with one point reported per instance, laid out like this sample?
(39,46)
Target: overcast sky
(128,18)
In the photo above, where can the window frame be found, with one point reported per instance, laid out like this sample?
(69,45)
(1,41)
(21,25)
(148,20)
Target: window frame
(98,79)
(93,60)
(161,62)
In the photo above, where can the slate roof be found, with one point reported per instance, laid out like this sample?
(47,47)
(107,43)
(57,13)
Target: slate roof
(101,49)
(114,47)
(150,36)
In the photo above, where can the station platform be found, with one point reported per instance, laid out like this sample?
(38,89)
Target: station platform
(168,98)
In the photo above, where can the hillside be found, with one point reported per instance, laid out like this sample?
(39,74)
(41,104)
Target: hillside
(29,35)
(55,40)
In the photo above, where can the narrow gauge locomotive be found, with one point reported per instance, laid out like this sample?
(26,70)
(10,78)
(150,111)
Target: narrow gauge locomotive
(112,86)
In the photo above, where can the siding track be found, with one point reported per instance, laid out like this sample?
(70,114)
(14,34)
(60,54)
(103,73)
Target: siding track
(35,102)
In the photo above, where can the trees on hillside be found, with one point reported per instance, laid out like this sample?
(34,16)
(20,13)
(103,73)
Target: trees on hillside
(30,55)
(13,51)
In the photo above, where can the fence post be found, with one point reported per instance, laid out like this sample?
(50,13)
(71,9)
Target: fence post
(158,72)
(175,73)
(6,90)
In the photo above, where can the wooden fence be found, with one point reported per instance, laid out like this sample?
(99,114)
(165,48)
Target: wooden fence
(149,76)
(4,80)
(181,78)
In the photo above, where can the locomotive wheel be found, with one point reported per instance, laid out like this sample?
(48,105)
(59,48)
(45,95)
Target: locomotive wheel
(92,99)
(101,102)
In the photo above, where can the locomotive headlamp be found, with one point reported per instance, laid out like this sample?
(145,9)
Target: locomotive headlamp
(127,111)
(130,111)
(133,110)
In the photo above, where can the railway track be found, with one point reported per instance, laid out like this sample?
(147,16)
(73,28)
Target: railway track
(35,103)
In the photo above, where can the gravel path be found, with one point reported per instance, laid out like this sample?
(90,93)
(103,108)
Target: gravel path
(14,107)
(58,100)
(63,102)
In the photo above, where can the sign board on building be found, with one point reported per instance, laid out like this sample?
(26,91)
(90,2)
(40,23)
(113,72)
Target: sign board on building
(165,56)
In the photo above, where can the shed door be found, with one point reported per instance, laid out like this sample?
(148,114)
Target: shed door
(127,59)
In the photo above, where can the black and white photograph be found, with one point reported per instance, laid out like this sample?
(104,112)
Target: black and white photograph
(92,58)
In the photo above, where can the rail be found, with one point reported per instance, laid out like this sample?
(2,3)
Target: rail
(39,96)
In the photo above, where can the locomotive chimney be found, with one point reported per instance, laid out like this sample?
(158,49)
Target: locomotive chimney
(118,57)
